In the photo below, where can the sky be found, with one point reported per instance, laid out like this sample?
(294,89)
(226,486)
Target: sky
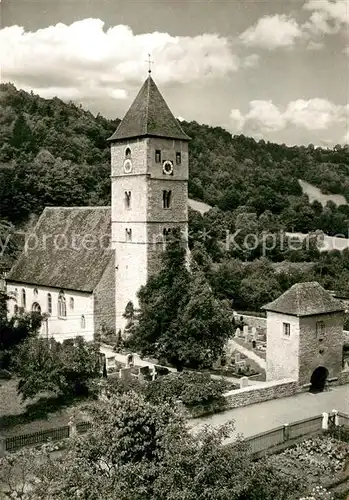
(276,70)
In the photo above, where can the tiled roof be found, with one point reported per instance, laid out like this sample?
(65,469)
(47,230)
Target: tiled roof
(68,248)
(149,115)
(305,299)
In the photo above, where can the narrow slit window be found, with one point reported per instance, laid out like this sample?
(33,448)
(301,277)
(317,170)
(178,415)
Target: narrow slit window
(83,322)
(286,329)
(320,330)
(178,158)
(166,199)
(158,156)
(24,299)
(127,200)
(128,234)
(128,153)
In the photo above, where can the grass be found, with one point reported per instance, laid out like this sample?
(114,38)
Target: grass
(44,412)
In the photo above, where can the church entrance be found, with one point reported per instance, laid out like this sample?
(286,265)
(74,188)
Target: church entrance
(318,379)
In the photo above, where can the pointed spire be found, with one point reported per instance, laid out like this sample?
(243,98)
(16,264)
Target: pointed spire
(149,115)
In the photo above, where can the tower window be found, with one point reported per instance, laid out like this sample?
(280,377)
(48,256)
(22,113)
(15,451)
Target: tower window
(128,200)
(158,156)
(178,158)
(166,232)
(83,322)
(320,330)
(128,153)
(49,303)
(128,234)
(166,199)
(286,327)
(62,305)
(71,303)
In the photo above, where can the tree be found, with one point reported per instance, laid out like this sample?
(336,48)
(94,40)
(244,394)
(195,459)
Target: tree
(139,451)
(14,331)
(63,369)
(202,328)
(180,320)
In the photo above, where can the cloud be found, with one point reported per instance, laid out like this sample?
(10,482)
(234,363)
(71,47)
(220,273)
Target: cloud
(83,60)
(271,32)
(313,115)
(250,61)
(327,17)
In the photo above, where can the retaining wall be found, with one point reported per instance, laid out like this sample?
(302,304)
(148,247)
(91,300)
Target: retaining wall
(263,392)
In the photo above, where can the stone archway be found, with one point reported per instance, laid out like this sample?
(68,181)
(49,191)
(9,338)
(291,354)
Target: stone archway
(318,379)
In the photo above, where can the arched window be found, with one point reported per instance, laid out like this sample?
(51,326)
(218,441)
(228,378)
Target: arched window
(83,322)
(166,232)
(71,303)
(36,308)
(36,292)
(62,306)
(24,300)
(49,303)
(128,153)
(127,200)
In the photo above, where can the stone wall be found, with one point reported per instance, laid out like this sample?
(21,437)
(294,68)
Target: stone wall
(343,377)
(261,392)
(325,350)
(345,336)
(104,299)
(255,321)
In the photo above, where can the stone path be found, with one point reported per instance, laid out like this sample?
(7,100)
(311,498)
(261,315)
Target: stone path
(250,354)
(253,419)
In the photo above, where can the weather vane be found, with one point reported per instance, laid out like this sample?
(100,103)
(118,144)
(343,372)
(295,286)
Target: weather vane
(150,62)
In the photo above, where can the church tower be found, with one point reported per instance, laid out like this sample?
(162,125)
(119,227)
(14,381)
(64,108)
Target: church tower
(149,175)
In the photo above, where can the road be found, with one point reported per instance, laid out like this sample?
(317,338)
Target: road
(260,417)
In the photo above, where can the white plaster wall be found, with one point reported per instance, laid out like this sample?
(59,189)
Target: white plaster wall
(59,328)
(282,352)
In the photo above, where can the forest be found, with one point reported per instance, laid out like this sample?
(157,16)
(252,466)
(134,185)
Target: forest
(54,153)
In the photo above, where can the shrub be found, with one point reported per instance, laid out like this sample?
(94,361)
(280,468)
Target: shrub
(193,389)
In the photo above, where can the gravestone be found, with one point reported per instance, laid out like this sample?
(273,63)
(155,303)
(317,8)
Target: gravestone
(243,382)
(245,331)
(240,364)
(238,332)
(254,344)
(237,357)
(125,373)
(217,365)
(254,333)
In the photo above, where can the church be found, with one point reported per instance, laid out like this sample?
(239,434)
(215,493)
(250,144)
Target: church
(81,266)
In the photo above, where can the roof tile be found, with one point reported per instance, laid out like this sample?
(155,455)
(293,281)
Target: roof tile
(305,299)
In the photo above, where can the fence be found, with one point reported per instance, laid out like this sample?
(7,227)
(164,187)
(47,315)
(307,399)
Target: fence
(283,435)
(286,434)
(15,442)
